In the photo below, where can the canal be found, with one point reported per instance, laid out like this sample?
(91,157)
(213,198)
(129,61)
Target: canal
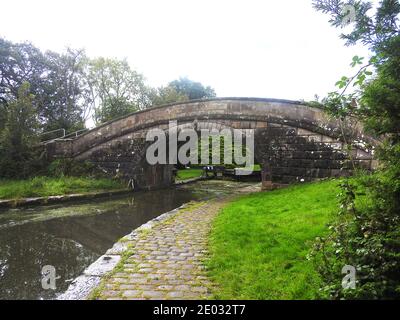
(71,236)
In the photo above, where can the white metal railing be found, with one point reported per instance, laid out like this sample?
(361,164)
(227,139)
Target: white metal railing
(64,135)
(53,131)
(76,133)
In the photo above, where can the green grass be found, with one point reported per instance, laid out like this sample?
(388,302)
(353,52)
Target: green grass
(45,186)
(259,242)
(186,174)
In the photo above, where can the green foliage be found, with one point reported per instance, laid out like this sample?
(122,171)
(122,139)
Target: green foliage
(68,87)
(366,234)
(180,90)
(226,150)
(119,89)
(186,174)
(259,243)
(46,186)
(380,101)
(18,137)
(19,63)
(70,167)
(56,82)
(41,92)
(192,89)
(165,95)
(65,101)
(371,30)
(341,104)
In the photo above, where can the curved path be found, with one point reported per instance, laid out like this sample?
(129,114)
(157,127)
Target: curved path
(166,262)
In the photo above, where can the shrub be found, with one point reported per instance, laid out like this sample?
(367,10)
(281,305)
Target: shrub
(70,167)
(366,235)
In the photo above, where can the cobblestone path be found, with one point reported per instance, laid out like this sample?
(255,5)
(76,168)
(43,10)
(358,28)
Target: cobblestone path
(166,261)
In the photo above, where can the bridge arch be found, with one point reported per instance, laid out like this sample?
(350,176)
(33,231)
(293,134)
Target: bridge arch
(294,142)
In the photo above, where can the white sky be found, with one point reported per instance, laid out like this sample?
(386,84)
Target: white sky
(253,48)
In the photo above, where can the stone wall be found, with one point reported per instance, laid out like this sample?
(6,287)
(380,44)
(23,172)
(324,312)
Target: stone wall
(236,111)
(126,160)
(294,142)
(290,155)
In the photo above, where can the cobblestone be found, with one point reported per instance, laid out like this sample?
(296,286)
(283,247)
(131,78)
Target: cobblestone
(167,261)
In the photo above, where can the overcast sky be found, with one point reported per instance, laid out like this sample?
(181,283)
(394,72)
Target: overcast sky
(254,48)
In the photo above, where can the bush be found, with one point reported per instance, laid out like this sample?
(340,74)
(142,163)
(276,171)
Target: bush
(70,167)
(366,235)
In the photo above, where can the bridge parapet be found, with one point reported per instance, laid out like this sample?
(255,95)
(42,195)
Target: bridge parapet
(304,132)
(235,110)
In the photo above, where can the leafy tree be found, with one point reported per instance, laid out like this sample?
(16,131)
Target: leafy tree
(372,30)
(380,101)
(116,89)
(165,95)
(3,115)
(19,136)
(193,90)
(57,83)
(19,63)
(367,232)
(66,97)
(180,90)
(41,92)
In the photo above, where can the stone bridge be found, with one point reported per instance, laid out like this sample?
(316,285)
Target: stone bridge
(293,141)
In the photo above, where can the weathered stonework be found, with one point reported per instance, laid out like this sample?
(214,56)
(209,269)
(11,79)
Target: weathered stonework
(294,142)
(290,154)
(127,160)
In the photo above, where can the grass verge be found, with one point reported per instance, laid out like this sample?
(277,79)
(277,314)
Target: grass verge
(186,174)
(45,186)
(259,242)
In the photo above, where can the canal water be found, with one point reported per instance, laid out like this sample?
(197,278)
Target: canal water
(71,236)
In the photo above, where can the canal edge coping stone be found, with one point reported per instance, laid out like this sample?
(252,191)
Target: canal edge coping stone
(81,287)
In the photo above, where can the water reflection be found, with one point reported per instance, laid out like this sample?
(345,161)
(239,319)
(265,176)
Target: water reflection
(71,236)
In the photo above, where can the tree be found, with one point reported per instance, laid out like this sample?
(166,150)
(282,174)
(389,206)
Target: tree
(367,232)
(66,97)
(380,100)
(193,90)
(57,83)
(374,31)
(19,63)
(179,91)
(19,136)
(165,95)
(3,115)
(116,89)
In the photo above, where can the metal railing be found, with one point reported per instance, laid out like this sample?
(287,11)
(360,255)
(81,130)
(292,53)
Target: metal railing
(76,133)
(64,135)
(53,131)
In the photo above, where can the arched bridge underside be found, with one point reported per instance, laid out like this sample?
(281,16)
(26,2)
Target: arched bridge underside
(293,142)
